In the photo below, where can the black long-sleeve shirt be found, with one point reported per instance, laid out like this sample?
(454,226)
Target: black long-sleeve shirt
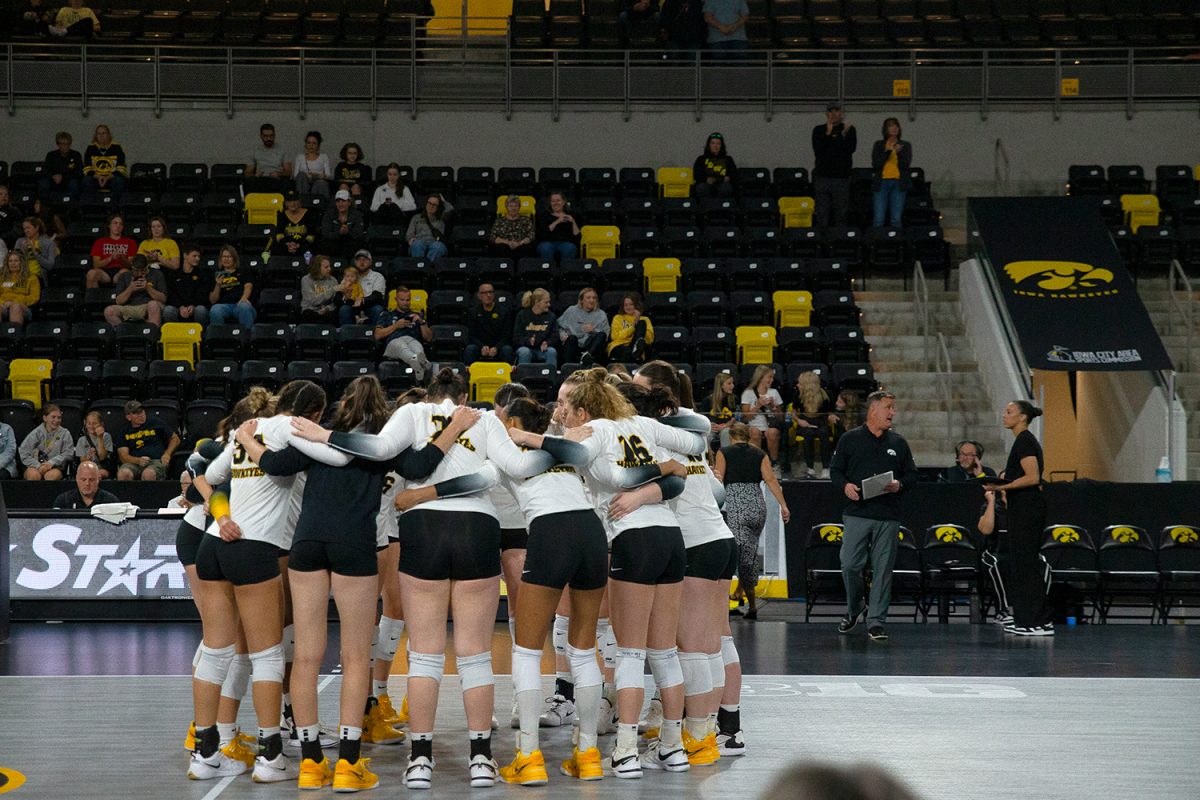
(834,151)
(860,455)
(489,327)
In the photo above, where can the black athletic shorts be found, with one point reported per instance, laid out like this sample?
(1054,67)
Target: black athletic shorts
(513,539)
(731,565)
(568,548)
(336,557)
(648,555)
(709,561)
(241,562)
(187,541)
(449,545)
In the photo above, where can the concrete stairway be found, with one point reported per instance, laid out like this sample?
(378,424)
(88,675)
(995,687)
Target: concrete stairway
(892,327)
(1153,292)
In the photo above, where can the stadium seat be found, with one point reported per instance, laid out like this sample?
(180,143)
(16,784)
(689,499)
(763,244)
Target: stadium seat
(136,341)
(180,341)
(262,208)
(661,274)
(680,212)
(60,303)
(517,180)
(703,274)
(486,377)
(713,344)
(597,182)
(600,241)
(315,342)
(1073,559)
(91,340)
(621,274)
(123,379)
(638,182)
(449,306)
(346,372)
(855,377)
(1139,210)
(45,339)
(755,344)
(1128,562)
(318,372)
(112,413)
(201,418)
(170,380)
(29,379)
(796,212)
(277,305)
(218,379)
(666,308)
(724,241)
(672,343)
(674,181)
(396,377)
(793,309)
(823,583)
(708,308)
(750,308)
(800,344)
(21,416)
(682,241)
(448,343)
(1127,179)
(718,212)
(357,343)
(75,379)
(802,242)
(267,373)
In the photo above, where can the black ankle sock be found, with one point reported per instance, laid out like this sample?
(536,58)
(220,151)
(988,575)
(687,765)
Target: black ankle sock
(289,716)
(271,746)
(481,747)
(311,750)
(565,688)
(729,721)
(371,701)
(422,747)
(350,749)
(208,741)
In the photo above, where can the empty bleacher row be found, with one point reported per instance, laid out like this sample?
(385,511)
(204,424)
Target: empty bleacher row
(571,23)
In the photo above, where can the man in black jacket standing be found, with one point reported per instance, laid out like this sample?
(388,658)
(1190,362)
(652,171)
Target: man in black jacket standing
(870,526)
(833,143)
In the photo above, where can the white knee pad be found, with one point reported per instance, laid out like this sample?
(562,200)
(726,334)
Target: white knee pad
(696,677)
(664,666)
(288,642)
(387,638)
(559,636)
(526,669)
(729,653)
(631,667)
(426,665)
(475,671)
(609,648)
(716,666)
(213,665)
(584,669)
(267,665)
(238,677)
(196,657)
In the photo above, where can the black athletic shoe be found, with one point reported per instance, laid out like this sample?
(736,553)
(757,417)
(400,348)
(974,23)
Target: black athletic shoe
(877,633)
(849,623)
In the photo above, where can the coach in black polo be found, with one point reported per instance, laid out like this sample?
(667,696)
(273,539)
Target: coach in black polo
(871,527)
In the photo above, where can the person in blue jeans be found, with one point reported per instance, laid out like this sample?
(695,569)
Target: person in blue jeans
(230,295)
(557,230)
(890,159)
(536,330)
(427,230)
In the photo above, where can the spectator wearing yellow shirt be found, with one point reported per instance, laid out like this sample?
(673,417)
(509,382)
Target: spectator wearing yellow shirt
(632,332)
(75,19)
(19,291)
(160,250)
(890,159)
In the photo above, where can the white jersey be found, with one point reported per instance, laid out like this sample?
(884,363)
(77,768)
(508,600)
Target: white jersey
(696,509)
(507,509)
(194,516)
(387,525)
(554,491)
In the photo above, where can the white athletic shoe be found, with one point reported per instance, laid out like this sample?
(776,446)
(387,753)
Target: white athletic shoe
(625,763)
(218,765)
(608,718)
(731,744)
(653,719)
(496,723)
(1003,618)
(671,759)
(484,772)
(514,721)
(281,768)
(291,739)
(561,712)
(419,774)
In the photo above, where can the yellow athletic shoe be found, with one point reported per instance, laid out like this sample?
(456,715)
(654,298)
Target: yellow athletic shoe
(189,741)
(314,774)
(710,744)
(585,765)
(403,714)
(387,711)
(377,731)
(242,748)
(698,752)
(527,770)
(650,733)
(354,777)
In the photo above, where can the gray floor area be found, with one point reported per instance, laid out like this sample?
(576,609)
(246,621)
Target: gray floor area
(974,738)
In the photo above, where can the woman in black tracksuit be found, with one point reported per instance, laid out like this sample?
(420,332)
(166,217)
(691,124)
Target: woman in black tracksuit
(1026,519)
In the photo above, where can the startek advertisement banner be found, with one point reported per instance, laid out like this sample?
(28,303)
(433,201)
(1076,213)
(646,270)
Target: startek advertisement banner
(1070,297)
(81,559)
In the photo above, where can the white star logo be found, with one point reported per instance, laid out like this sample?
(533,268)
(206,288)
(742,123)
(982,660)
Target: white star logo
(126,570)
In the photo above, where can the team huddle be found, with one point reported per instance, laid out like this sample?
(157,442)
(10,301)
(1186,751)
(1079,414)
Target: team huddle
(600,511)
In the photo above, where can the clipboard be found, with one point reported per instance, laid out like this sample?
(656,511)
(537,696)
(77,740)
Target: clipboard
(874,485)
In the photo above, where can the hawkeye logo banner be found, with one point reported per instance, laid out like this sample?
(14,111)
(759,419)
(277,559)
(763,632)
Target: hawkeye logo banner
(1072,300)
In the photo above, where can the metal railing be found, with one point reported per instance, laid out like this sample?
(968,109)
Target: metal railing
(457,67)
(921,305)
(935,344)
(1185,309)
(945,370)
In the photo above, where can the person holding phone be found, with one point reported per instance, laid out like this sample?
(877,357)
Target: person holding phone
(762,410)
(890,159)
(141,295)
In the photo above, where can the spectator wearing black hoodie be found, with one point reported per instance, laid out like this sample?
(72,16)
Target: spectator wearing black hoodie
(536,331)
(714,169)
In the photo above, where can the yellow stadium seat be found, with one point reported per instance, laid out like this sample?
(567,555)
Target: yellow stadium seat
(418,301)
(675,181)
(263,208)
(487,377)
(661,274)
(796,212)
(600,241)
(528,205)
(180,341)
(755,344)
(29,379)
(1140,209)
(792,309)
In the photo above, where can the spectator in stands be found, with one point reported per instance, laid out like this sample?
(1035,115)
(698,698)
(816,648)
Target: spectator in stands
(180,500)
(405,332)
(313,170)
(849,414)
(19,291)
(968,458)
(634,12)
(34,19)
(47,451)
(10,218)
(104,166)
(489,329)
(52,221)
(267,170)
(714,169)
(535,331)
(187,296)
(146,446)
(141,295)
(374,291)
(62,169)
(584,329)
(512,232)
(833,145)
(558,230)
(96,445)
(721,407)
(87,491)
(762,410)
(230,295)
(812,420)
(319,292)
(295,228)
(8,452)
(160,250)
(38,249)
(75,19)
(342,229)
(351,291)
(393,200)
(632,332)
(726,20)
(352,174)
(890,159)
(427,230)
(682,25)
(111,253)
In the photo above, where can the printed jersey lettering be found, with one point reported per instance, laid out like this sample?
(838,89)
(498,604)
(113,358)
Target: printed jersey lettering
(635,452)
(440,421)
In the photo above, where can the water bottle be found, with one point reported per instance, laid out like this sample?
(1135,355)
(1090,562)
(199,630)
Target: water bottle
(1163,473)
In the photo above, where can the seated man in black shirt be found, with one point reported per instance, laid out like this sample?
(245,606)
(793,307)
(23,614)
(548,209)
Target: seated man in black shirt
(87,491)
(146,446)
(968,465)
(489,329)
